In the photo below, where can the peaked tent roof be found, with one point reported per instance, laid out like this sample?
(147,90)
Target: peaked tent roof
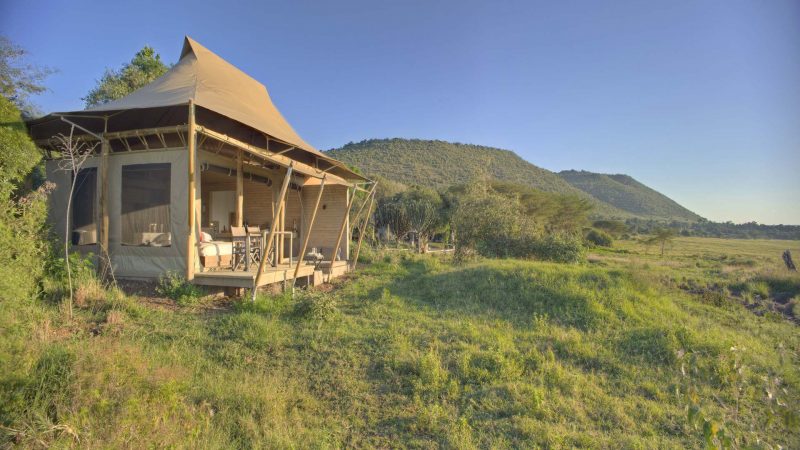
(213,83)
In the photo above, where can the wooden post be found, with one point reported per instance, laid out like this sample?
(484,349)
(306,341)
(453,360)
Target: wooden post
(350,201)
(355,220)
(364,228)
(190,237)
(272,229)
(279,251)
(104,195)
(308,232)
(104,149)
(239,189)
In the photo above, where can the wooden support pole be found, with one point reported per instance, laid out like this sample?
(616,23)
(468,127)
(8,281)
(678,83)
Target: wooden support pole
(350,201)
(344,222)
(279,250)
(104,148)
(363,229)
(190,237)
(239,189)
(281,160)
(308,233)
(272,229)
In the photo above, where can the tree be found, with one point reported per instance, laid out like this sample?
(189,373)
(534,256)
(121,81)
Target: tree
(73,154)
(145,67)
(19,80)
(416,210)
(661,236)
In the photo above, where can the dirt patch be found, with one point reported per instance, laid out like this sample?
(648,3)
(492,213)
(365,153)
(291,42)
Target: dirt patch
(138,288)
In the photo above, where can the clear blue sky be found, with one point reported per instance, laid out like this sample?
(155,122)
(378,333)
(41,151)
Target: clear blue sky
(698,99)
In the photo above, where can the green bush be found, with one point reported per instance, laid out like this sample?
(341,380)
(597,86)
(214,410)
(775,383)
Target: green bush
(599,238)
(563,249)
(315,305)
(495,222)
(23,231)
(175,287)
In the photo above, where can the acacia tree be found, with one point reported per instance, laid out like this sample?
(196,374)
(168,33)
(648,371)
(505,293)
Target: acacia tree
(145,67)
(661,237)
(74,154)
(20,80)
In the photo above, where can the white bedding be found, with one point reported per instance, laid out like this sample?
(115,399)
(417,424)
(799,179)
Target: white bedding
(216,248)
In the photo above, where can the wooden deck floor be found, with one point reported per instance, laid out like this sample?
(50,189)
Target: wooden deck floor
(242,279)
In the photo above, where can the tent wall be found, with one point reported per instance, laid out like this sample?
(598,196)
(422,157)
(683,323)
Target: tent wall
(294,218)
(257,198)
(329,217)
(57,201)
(149,262)
(131,261)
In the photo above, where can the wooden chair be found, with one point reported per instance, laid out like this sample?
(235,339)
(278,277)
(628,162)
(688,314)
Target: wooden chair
(240,248)
(256,244)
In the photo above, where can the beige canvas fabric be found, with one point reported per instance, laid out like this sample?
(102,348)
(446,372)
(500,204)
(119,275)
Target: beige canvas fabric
(215,84)
(131,261)
(211,83)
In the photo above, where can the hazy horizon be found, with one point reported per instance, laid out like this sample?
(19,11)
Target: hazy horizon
(697,100)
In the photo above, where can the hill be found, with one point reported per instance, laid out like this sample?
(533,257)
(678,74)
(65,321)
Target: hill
(440,164)
(627,194)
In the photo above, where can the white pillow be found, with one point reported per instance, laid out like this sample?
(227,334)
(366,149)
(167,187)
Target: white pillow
(206,237)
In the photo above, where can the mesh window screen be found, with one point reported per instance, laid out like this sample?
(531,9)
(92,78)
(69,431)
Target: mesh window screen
(145,205)
(84,228)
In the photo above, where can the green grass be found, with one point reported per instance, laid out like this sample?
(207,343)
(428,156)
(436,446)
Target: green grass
(416,352)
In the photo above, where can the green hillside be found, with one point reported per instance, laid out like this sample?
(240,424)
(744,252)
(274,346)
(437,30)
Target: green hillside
(440,164)
(627,194)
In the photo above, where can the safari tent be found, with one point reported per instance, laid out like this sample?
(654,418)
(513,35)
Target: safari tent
(180,166)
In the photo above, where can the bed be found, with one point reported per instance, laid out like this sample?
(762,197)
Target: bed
(216,254)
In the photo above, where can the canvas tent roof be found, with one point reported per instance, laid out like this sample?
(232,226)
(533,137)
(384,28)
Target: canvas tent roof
(211,83)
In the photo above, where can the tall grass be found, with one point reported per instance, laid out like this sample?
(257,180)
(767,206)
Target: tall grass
(413,351)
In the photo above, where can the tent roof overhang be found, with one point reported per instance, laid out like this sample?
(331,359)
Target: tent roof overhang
(228,102)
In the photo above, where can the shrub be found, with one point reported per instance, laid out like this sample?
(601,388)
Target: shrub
(22,212)
(714,297)
(175,287)
(564,249)
(599,238)
(315,305)
(367,254)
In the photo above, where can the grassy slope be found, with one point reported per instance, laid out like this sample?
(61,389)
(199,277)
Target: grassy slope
(441,164)
(627,194)
(418,353)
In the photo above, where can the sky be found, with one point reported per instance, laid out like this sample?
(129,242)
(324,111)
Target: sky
(699,100)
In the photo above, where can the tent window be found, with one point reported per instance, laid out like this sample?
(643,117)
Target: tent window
(145,205)
(84,228)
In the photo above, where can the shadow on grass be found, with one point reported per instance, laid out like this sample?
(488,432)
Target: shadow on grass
(508,292)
